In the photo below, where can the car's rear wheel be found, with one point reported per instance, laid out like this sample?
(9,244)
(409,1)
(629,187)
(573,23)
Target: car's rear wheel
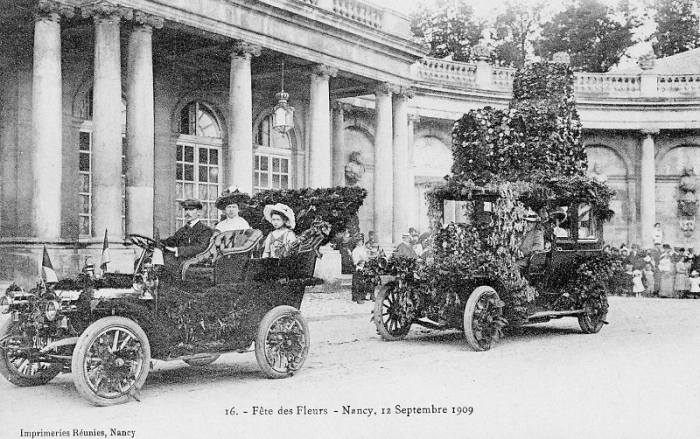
(282,342)
(111,361)
(202,361)
(16,361)
(483,318)
(593,319)
(391,322)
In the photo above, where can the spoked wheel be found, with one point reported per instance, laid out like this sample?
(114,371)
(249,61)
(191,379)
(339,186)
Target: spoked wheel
(282,342)
(17,361)
(391,322)
(111,361)
(596,310)
(202,361)
(483,318)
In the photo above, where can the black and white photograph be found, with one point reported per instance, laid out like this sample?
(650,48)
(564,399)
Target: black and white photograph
(349,219)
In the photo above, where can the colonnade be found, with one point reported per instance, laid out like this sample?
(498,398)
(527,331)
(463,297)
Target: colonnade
(108,22)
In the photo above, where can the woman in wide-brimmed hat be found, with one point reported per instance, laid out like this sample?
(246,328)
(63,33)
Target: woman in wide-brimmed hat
(230,202)
(559,216)
(282,219)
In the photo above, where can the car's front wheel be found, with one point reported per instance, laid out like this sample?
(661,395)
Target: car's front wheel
(282,342)
(16,360)
(595,313)
(483,318)
(111,361)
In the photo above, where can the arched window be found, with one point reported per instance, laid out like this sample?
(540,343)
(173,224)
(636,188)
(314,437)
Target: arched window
(198,161)
(272,164)
(85,157)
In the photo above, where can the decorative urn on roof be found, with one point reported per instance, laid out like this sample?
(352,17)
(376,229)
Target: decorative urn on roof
(647,61)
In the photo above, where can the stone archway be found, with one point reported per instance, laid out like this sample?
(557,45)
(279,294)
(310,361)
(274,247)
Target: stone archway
(670,165)
(615,169)
(432,160)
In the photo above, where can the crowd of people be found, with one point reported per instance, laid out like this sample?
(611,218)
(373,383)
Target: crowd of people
(661,271)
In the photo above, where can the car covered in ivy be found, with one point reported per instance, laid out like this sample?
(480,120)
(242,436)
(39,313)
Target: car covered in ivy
(227,298)
(474,277)
(526,160)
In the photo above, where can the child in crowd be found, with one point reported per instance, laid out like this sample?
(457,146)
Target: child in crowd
(627,287)
(649,280)
(694,282)
(637,283)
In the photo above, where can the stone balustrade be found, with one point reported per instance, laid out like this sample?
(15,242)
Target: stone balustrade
(446,72)
(360,12)
(607,84)
(679,85)
(633,85)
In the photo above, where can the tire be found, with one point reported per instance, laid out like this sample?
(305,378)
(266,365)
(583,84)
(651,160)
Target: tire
(282,342)
(481,318)
(18,369)
(593,320)
(111,361)
(390,325)
(202,361)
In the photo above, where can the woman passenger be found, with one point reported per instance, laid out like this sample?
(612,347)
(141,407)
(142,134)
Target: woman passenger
(281,217)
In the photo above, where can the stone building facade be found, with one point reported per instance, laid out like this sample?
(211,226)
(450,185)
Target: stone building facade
(112,111)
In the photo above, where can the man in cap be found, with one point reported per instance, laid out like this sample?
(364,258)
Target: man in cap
(533,239)
(405,249)
(188,240)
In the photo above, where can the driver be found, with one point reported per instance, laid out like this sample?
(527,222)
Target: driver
(533,239)
(188,240)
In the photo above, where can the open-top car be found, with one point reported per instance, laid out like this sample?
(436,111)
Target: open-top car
(106,331)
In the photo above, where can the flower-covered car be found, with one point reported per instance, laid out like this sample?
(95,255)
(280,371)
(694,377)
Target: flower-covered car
(106,331)
(474,277)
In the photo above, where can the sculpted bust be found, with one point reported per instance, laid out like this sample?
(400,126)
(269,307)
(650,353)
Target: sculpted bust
(355,169)
(688,186)
(597,174)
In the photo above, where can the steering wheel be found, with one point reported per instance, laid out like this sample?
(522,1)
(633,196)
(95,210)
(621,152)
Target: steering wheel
(141,241)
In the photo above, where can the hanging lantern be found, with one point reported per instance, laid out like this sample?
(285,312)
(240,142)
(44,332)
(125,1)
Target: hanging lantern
(283,114)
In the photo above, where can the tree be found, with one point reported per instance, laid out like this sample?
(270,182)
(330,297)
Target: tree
(677,26)
(448,29)
(515,29)
(592,33)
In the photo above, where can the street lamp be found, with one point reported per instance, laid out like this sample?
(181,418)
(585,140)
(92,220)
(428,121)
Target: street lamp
(283,114)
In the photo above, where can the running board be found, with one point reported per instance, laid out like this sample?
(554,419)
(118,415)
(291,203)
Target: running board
(554,314)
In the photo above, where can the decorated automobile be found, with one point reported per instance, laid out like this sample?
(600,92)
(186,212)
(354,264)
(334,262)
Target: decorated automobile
(227,298)
(516,230)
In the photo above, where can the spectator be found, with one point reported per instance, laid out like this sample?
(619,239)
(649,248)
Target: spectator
(637,283)
(680,287)
(404,248)
(360,255)
(658,234)
(694,282)
(649,280)
(666,278)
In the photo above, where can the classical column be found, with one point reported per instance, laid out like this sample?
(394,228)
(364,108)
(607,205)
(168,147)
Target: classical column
(47,122)
(383,168)
(320,126)
(106,119)
(401,183)
(338,143)
(413,119)
(647,196)
(140,125)
(239,159)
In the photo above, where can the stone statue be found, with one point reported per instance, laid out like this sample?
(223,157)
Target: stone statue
(355,168)
(597,173)
(688,186)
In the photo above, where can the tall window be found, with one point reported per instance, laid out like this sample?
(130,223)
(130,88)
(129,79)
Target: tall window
(85,157)
(272,164)
(198,161)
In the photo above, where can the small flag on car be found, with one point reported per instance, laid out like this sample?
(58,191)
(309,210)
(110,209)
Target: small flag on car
(47,271)
(157,258)
(105,254)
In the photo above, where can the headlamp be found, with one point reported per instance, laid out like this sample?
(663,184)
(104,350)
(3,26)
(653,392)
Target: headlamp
(52,308)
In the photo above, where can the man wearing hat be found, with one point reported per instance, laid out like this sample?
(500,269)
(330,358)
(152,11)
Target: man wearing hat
(405,249)
(533,239)
(230,202)
(188,240)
